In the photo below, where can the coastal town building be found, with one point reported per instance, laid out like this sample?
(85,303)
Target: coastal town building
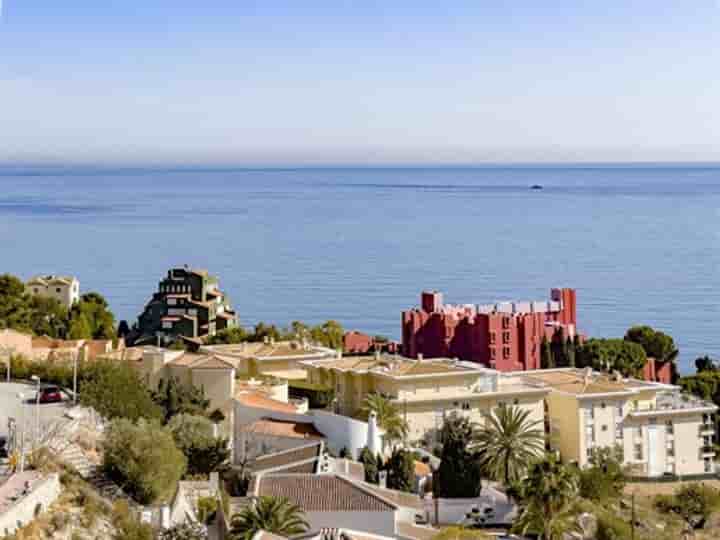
(65,289)
(45,348)
(659,429)
(271,359)
(506,336)
(188,305)
(355,342)
(426,391)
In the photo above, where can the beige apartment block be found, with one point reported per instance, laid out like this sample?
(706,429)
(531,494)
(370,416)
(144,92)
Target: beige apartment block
(65,289)
(659,429)
(427,390)
(272,359)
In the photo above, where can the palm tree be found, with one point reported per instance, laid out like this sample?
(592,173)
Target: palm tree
(388,416)
(275,515)
(546,493)
(508,443)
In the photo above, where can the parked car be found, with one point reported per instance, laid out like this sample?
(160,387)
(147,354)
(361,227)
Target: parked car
(50,394)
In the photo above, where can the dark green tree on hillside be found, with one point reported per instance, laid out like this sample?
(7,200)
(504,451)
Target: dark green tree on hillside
(656,344)
(401,470)
(100,320)
(370,464)
(115,390)
(143,459)
(609,355)
(176,398)
(459,474)
(194,437)
(15,311)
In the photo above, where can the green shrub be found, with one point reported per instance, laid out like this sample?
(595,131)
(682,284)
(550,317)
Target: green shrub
(143,459)
(612,528)
(207,508)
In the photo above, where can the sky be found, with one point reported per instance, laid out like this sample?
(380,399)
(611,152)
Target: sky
(375,82)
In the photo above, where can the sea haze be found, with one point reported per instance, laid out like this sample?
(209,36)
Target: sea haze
(640,243)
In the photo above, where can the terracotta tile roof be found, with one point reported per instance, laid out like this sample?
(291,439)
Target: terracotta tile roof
(257,400)
(299,459)
(285,428)
(322,493)
(201,361)
(399,498)
(212,362)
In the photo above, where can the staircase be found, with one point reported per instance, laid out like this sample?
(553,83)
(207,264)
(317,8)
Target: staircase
(74,457)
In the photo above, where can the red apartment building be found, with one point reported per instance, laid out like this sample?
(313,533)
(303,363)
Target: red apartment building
(506,336)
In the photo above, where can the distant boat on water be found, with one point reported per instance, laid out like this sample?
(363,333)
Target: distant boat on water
(536,186)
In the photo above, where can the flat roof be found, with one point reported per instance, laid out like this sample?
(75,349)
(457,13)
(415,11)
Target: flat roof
(578,381)
(400,366)
(271,351)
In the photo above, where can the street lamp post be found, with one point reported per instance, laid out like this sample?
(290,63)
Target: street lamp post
(37,408)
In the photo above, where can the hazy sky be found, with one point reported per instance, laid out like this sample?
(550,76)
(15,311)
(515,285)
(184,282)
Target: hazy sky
(366,81)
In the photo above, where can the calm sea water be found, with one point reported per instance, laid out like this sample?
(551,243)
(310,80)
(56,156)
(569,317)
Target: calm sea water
(641,244)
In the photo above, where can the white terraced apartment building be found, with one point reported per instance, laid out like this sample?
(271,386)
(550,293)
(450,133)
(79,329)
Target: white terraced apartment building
(659,429)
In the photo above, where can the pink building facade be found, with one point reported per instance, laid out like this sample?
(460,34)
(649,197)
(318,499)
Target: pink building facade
(506,336)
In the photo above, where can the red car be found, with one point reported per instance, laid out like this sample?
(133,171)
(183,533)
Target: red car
(50,394)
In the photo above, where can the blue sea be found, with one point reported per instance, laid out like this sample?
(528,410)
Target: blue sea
(641,244)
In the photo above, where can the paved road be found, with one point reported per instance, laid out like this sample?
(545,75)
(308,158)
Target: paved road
(11,406)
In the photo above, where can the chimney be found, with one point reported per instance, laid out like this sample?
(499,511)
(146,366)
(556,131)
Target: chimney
(373,437)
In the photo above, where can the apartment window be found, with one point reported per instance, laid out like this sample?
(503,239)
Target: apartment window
(638,431)
(492,354)
(669,428)
(516,401)
(604,427)
(618,432)
(588,453)
(620,410)
(506,337)
(638,452)
(506,352)
(671,452)
(456,404)
(35,291)
(708,465)
(506,322)
(171,301)
(492,338)
(636,404)
(466,406)
(57,289)
(602,405)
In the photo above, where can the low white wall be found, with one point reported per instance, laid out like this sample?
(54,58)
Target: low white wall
(23,511)
(455,510)
(340,431)
(382,523)
(343,432)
